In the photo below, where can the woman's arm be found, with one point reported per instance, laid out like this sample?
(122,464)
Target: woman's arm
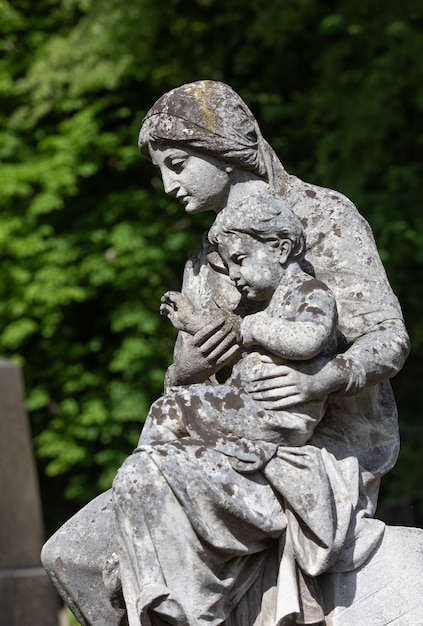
(282,386)
(343,254)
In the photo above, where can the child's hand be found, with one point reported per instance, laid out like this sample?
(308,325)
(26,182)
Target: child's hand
(181,312)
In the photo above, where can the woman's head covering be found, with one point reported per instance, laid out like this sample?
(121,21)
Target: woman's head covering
(210,117)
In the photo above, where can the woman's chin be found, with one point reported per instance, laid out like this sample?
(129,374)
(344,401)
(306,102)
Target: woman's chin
(192,208)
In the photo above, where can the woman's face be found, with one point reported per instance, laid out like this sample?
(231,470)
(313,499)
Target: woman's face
(200,182)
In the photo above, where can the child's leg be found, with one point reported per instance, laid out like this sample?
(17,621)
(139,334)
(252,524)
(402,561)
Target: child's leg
(165,421)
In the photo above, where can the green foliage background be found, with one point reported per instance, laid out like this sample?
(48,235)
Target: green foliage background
(89,241)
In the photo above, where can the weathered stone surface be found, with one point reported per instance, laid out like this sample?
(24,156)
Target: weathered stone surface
(21,528)
(258,469)
(387,589)
(27,597)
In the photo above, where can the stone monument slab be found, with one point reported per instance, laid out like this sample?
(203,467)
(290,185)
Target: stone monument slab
(27,597)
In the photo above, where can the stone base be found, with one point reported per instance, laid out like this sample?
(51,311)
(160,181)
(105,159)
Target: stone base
(27,598)
(387,590)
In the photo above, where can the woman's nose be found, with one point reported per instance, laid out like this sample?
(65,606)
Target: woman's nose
(170,183)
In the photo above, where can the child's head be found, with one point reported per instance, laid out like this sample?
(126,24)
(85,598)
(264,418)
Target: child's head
(257,240)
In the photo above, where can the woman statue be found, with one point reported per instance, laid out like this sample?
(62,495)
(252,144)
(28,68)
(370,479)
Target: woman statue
(185,538)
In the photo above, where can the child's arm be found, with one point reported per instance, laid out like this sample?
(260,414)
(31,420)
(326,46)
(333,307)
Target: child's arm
(181,312)
(299,335)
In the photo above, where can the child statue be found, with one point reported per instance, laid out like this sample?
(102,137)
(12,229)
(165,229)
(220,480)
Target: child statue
(285,314)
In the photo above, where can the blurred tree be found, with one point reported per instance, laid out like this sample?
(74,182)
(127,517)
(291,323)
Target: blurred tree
(88,240)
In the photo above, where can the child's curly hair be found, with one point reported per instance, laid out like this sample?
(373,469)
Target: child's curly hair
(265,217)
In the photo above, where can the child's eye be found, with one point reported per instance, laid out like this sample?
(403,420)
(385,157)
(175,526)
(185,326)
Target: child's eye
(238,258)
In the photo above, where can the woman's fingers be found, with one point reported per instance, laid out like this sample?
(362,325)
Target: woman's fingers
(276,393)
(218,343)
(281,403)
(276,387)
(202,336)
(224,350)
(227,356)
(269,371)
(282,380)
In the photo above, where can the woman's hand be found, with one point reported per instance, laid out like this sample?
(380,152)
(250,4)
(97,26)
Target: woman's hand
(202,354)
(282,386)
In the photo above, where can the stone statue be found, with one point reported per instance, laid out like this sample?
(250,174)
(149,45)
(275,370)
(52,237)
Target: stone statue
(285,314)
(250,497)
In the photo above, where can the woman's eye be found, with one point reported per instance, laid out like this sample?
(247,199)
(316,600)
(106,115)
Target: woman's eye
(177,164)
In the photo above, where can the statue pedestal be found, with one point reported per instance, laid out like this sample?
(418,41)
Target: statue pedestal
(388,589)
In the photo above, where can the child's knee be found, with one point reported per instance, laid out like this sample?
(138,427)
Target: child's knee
(164,422)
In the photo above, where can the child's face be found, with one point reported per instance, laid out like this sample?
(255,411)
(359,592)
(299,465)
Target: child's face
(254,266)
